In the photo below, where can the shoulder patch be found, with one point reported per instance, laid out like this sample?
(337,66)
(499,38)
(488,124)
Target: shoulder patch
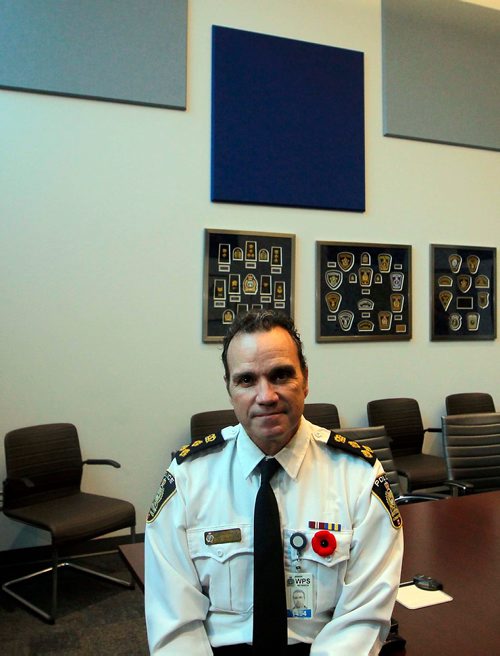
(165,492)
(208,442)
(382,491)
(351,446)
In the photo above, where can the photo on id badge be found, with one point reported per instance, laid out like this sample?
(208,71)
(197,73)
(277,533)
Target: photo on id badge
(299,595)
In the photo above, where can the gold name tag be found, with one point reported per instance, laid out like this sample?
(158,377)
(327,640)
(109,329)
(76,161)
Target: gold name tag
(222,537)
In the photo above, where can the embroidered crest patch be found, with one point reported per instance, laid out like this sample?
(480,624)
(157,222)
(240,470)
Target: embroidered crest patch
(382,490)
(214,439)
(165,492)
(351,446)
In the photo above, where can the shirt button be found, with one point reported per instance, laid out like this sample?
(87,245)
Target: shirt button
(220,552)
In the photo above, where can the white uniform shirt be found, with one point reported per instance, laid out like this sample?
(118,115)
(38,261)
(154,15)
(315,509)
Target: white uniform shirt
(198,592)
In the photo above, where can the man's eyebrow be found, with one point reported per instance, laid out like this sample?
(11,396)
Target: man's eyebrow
(288,369)
(283,368)
(240,374)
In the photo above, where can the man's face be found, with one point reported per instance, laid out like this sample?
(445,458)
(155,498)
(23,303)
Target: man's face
(266,386)
(299,599)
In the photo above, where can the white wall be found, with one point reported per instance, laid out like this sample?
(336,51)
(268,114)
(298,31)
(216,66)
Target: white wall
(103,208)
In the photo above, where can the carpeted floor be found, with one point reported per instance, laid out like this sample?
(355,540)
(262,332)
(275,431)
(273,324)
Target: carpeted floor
(95,617)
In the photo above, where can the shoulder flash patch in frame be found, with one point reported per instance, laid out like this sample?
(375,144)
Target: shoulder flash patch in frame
(351,446)
(165,492)
(214,439)
(382,491)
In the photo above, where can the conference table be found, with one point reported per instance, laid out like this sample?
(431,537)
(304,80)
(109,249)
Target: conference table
(456,541)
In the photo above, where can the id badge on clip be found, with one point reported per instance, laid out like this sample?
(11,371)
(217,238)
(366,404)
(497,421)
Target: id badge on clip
(299,584)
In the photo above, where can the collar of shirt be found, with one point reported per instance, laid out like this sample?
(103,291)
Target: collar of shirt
(290,457)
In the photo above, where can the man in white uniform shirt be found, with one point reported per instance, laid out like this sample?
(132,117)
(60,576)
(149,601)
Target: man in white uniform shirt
(341,531)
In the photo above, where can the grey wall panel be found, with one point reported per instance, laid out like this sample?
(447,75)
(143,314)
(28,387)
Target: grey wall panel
(441,72)
(121,50)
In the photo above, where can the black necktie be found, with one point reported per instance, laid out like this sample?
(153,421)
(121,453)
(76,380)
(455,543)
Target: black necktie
(269,597)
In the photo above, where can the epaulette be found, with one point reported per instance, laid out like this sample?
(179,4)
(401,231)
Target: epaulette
(351,446)
(208,442)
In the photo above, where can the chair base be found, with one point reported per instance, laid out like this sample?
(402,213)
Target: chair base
(50,618)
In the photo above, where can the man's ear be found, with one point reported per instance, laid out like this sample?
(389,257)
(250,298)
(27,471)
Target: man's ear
(306,382)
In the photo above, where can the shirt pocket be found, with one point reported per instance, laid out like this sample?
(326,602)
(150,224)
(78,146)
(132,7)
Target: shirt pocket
(328,571)
(225,570)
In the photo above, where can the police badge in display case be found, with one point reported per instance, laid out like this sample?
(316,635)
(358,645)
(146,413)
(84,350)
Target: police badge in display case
(245,270)
(363,291)
(463,292)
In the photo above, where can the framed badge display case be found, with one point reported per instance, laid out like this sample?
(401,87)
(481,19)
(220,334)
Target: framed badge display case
(245,270)
(463,292)
(363,291)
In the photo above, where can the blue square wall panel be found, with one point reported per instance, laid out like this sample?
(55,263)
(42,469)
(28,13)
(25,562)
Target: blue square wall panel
(287,122)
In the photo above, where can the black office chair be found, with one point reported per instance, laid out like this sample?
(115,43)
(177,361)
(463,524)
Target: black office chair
(471,445)
(376,438)
(469,402)
(211,421)
(325,415)
(44,470)
(403,424)
(204,423)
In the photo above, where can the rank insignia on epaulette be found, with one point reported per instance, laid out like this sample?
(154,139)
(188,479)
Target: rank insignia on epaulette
(382,491)
(214,439)
(165,492)
(351,446)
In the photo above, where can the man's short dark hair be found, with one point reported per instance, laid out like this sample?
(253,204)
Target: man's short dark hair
(262,321)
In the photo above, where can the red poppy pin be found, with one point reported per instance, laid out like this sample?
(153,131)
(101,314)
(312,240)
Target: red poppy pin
(324,543)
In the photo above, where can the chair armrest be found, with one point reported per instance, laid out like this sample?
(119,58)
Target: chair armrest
(414,498)
(93,461)
(459,488)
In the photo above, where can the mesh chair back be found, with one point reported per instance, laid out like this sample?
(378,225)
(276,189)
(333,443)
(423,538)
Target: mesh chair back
(403,423)
(325,415)
(472,449)
(469,402)
(376,438)
(42,463)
